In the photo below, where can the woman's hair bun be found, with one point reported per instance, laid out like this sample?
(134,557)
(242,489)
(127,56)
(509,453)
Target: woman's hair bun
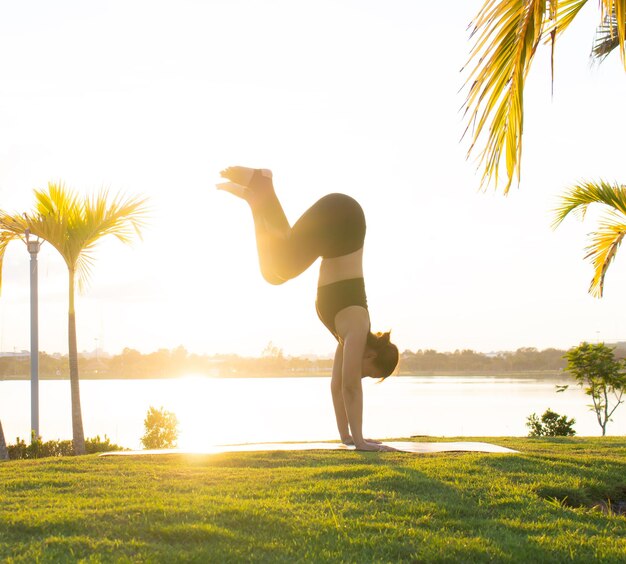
(385,337)
(387,354)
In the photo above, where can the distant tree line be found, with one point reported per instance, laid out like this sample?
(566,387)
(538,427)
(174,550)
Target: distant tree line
(521,360)
(166,363)
(526,359)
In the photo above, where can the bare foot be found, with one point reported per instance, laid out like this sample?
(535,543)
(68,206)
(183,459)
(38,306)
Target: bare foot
(246,176)
(251,184)
(235,189)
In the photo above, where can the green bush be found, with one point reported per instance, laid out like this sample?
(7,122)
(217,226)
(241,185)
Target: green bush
(96,444)
(39,449)
(551,424)
(161,429)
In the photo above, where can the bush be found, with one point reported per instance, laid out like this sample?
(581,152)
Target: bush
(96,444)
(551,424)
(161,429)
(39,449)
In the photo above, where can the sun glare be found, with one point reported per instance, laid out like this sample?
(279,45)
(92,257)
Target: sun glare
(208,416)
(218,411)
(198,413)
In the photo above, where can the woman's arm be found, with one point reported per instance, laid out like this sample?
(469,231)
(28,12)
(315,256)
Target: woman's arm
(337,393)
(351,388)
(352,324)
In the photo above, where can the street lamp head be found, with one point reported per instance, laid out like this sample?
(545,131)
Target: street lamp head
(33,245)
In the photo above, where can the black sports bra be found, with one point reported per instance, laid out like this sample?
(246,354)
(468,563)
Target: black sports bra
(332,298)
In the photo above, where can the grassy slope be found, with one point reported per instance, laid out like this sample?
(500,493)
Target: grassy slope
(320,506)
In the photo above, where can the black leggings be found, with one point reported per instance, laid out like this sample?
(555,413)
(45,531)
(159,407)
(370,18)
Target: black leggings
(332,227)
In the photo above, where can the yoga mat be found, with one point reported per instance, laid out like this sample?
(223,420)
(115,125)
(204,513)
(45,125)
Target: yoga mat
(407,446)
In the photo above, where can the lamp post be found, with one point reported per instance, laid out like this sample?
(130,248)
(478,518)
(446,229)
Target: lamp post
(33,248)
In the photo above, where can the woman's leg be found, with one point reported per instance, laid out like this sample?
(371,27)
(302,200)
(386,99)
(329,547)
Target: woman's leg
(284,252)
(272,229)
(256,187)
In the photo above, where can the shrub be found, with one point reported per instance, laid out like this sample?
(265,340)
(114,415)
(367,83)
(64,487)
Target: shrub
(161,429)
(96,444)
(39,449)
(551,424)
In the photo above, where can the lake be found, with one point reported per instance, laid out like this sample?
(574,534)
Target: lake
(220,411)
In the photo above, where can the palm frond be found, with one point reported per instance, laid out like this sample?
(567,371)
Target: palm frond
(507,34)
(74,224)
(4,241)
(84,267)
(614,11)
(607,39)
(561,15)
(12,227)
(565,11)
(578,198)
(605,242)
(603,246)
(610,34)
(123,217)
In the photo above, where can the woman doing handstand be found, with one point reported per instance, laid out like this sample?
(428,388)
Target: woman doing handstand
(334,229)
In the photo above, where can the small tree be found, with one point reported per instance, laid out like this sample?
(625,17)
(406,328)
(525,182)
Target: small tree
(601,375)
(161,429)
(551,424)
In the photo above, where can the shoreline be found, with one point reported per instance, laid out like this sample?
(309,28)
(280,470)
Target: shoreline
(528,375)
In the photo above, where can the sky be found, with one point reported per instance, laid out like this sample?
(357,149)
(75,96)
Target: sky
(361,97)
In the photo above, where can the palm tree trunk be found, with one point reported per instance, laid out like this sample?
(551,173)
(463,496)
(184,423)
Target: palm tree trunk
(77,417)
(4,453)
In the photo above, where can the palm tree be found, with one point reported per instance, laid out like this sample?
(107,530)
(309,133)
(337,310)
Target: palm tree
(507,34)
(4,453)
(606,240)
(73,225)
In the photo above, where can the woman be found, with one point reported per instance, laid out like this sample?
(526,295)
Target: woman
(334,229)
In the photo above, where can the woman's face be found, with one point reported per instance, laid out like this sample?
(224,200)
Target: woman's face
(368,369)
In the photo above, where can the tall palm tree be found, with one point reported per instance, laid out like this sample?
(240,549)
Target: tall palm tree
(507,34)
(4,453)
(73,225)
(606,240)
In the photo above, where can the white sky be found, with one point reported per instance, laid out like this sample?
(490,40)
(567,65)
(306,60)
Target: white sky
(358,96)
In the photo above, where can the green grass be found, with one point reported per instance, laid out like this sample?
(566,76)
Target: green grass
(321,506)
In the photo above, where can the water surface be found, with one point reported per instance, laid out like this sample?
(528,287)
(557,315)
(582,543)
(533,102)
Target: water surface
(238,410)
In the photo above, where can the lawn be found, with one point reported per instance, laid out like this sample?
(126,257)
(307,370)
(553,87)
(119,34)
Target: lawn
(536,506)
